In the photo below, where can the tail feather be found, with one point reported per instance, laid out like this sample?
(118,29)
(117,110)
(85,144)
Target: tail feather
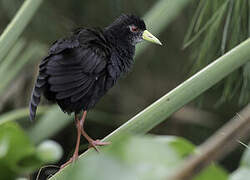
(36,95)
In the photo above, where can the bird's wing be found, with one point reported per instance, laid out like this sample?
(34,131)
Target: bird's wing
(71,68)
(73,72)
(41,82)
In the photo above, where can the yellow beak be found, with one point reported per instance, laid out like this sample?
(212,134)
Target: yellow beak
(150,37)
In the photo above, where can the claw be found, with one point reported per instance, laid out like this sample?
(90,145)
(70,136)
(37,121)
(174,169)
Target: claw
(68,162)
(97,143)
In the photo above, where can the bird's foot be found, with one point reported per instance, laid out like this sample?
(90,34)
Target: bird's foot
(71,160)
(95,143)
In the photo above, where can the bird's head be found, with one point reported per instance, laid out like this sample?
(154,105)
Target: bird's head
(132,29)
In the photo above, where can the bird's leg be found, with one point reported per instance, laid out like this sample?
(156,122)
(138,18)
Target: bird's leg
(92,143)
(75,155)
(78,125)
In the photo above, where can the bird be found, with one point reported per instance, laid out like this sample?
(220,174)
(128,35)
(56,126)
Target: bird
(79,69)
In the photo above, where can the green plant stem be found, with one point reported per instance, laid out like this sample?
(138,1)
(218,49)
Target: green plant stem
(214,18)
(33,49)
(19,114)
(181,95)
(12,57)
(17,25)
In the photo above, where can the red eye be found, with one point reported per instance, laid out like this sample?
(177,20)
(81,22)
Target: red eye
(134,29)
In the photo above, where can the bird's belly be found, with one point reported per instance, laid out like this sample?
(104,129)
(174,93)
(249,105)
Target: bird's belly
(84,103)
(89,100)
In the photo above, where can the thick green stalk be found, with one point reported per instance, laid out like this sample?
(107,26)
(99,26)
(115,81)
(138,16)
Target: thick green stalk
(186,92)
(19,114)
(181,95)
(33,49)
(11,58)
(17,25)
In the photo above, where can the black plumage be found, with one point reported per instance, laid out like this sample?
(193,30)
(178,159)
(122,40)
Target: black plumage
(80,69)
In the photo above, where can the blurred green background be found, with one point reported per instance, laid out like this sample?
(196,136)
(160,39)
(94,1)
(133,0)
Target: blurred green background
(156,71)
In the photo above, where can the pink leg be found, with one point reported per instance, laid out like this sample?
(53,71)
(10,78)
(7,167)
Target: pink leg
(75,155)
(92,143)
(80,130)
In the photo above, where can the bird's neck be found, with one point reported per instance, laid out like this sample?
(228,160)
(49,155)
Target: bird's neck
(122,50)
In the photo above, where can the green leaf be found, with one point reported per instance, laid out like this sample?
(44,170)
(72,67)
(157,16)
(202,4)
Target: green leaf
(4,146)
(19,146)
(215,17)
(19,155)
(213,172)
(136,157)
(99,167)
(181,145)
(226,27)
(193,22)
(217,27)
(17,25)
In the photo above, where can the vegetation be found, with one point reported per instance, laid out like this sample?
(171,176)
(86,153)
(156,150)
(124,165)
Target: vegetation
(218,44)
(217,27)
